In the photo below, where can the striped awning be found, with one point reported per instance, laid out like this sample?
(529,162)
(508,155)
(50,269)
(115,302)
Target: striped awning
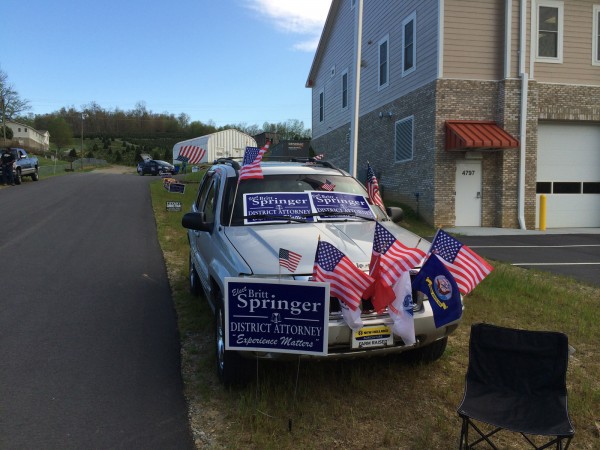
(464,135)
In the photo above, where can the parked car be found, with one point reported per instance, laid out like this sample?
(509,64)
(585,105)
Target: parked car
(25,165)
(224,242)
(155,167)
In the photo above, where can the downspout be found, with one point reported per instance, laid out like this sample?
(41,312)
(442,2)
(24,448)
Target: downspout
(354,124)
(523,112)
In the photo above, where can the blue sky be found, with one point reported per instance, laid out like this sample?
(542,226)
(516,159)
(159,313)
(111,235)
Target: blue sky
(229,61)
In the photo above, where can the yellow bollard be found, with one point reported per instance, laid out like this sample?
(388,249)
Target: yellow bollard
(542,212)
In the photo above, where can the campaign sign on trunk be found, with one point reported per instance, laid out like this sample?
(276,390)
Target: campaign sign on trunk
(276,316)
(275,206)
(340,202)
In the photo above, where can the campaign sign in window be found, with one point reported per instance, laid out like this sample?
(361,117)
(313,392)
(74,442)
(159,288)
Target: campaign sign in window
(277,207)
(276,316)
(335,205)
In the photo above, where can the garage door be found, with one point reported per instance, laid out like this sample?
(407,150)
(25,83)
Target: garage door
(568,173)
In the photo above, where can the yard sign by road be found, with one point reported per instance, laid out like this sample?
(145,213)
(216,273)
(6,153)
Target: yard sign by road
(276,316)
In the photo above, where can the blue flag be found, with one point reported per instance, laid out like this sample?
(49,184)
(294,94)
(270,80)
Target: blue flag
(435,281)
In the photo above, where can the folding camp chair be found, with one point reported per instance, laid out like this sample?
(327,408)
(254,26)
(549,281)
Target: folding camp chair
(516,381)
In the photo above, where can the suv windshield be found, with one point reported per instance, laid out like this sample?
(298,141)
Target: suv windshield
(287,183)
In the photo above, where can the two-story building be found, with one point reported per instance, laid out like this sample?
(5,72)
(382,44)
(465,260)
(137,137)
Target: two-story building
(29,138)
(468,110)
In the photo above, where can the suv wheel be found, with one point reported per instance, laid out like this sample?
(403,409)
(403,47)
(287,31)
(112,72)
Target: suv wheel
(232,369)
(17,177)
(194,280)
(428,353)
(36,175)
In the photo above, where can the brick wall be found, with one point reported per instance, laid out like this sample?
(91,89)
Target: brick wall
(432,171)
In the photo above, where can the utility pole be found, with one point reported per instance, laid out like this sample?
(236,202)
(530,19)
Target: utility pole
(83,116)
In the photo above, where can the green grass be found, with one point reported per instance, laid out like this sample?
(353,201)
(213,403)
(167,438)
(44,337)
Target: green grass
(383,403)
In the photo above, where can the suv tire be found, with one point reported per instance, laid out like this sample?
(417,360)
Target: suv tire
(428,353)
(232,369)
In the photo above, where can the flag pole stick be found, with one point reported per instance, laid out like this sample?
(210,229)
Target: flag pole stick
(295,396)
(233,204)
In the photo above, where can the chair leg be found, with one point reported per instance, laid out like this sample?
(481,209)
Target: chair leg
(464,435)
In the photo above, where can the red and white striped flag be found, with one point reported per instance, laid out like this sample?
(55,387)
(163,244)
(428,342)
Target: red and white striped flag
(389,260)
(251,165)
(289,259)
(328,185)
(193,153)
(347,282)
(466,266)
(373,188)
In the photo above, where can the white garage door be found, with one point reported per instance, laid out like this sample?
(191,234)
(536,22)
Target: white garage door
(568,173)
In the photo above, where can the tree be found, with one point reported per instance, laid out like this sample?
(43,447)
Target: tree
(6,132)
(60,132)
(11,103)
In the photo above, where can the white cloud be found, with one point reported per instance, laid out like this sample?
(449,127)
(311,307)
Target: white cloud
(302,17)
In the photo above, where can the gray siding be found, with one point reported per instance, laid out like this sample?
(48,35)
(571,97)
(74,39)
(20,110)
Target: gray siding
(379,19)
(338,52)
(385,18)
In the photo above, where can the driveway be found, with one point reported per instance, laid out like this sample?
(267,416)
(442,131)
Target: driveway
(570,252)
(89,346)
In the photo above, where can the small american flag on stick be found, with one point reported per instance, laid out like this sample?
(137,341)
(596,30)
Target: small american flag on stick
(373,188)
(289,259)
(328,185)
(251,164)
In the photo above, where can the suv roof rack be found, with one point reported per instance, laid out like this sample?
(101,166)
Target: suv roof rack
(311,159)
(229,160)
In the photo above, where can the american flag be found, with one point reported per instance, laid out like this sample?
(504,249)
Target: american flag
(389,260)
(467,268)
(373,188)
(319,157)
(328,185)
(289,259)
(193,154)
(347,282)
(251,164)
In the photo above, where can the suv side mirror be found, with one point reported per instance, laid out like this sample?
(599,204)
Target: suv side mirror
(196,221)
(395,213)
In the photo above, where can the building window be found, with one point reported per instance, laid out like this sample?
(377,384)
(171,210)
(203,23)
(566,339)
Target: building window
(344,89)
(596,37)
(543,187)
(384,70)
(550,31)
(409,44)
(404,139)
(321,106)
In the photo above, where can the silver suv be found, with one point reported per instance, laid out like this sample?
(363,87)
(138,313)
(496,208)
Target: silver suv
(225,243)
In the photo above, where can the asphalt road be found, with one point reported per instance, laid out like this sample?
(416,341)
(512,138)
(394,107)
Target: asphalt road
(573,255)
(89,346)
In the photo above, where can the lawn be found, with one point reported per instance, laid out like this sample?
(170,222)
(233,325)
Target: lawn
(377,403)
